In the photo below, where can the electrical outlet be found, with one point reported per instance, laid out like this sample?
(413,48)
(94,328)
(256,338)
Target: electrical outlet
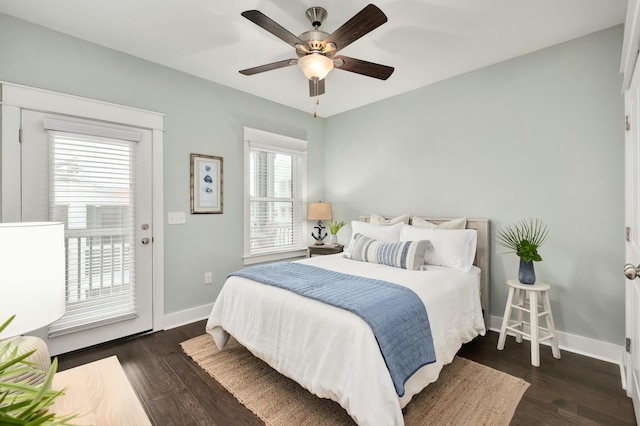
(208,278)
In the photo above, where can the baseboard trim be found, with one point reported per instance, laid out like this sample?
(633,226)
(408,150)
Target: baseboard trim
(592,348)
(187,316)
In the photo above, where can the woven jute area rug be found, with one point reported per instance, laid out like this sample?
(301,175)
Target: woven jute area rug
(467,393)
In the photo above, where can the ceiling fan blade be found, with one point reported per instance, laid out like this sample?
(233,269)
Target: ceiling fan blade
(363,22)
(272,26)
(269,67)
(359,66)
(316,87)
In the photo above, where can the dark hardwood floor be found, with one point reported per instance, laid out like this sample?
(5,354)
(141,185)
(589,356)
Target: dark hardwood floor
(574,390)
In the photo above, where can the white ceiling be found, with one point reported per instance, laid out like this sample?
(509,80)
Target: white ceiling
(425,40)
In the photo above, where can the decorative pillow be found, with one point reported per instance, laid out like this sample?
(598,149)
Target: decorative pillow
(386,234)
(418,222)
(404,254)
(453,248)
(379,220)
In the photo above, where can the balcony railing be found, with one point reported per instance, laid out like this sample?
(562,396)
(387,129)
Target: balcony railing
(99,263)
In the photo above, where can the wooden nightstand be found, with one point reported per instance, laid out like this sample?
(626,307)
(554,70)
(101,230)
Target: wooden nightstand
(325,249)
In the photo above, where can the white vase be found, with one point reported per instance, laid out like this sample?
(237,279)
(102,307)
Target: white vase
(333,238)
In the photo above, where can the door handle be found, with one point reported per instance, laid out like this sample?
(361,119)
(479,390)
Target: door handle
(631,272)
(145,241)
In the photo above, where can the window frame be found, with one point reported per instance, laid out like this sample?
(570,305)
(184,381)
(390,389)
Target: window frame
(262,140)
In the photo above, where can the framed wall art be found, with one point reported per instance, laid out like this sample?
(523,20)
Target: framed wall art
(206,184)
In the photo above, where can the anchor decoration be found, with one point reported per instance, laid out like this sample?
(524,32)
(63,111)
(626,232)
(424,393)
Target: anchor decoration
(319,211)
(320,227)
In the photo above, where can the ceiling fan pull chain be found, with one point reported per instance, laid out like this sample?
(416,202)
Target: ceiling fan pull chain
(315,107)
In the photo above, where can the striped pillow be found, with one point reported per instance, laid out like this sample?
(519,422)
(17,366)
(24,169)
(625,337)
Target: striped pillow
(404,254)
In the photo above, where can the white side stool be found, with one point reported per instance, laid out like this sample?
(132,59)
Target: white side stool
(526,298)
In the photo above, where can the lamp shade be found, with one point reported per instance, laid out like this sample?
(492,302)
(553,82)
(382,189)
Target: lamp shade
(32,275)
(315,65)
(319,211)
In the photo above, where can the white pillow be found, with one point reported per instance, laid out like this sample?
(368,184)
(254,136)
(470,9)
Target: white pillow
(379,220)
(385,234)
(453,248)
(460,223)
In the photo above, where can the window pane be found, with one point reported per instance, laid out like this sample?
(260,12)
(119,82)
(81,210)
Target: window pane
(271,175)
(271,225)
(91,182)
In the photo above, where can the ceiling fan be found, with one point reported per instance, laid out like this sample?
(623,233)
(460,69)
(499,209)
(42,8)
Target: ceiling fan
(317,49)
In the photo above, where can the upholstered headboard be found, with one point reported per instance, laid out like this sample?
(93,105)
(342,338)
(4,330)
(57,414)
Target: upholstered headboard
(482,261)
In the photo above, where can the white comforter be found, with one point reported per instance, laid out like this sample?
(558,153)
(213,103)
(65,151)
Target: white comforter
(332,352)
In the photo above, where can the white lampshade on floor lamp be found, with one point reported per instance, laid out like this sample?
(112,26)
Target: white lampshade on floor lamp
(32,283)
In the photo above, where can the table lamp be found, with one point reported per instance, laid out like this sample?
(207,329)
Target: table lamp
(32,285)
(319,211)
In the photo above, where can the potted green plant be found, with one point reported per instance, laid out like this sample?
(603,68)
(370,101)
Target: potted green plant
(334,227)
(524,238)
(20,402)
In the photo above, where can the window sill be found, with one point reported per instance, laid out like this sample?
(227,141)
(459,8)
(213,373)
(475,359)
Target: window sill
(271,257)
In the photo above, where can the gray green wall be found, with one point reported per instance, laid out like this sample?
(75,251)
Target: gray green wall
(201,117)
(540,135)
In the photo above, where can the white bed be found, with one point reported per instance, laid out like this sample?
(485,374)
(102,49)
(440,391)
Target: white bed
(332,352)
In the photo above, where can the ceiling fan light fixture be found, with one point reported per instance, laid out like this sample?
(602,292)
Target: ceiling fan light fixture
(315,65)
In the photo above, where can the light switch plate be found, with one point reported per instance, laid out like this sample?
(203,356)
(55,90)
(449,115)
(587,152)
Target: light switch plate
(176,218)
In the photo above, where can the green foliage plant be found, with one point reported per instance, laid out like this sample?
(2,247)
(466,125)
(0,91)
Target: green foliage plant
(23,404)
(334,227)
(524,238)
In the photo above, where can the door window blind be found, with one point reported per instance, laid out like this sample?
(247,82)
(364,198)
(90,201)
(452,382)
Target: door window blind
(91,190)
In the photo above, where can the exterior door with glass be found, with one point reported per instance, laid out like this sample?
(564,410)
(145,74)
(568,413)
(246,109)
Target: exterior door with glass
(95,178)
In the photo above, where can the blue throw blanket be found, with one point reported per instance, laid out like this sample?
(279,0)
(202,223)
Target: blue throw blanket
(395,313)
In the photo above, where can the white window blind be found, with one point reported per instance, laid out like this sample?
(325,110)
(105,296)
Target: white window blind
(91,190)
(276,195)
